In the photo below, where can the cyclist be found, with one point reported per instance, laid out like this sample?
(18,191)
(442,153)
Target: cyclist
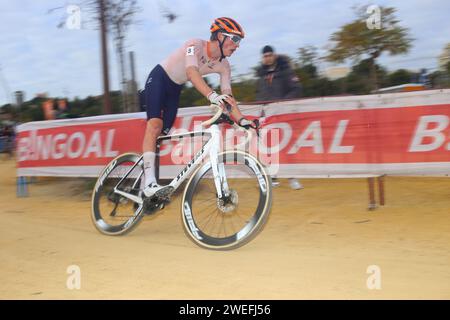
(189,63)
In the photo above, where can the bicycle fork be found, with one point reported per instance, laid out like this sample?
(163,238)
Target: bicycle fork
(220,179)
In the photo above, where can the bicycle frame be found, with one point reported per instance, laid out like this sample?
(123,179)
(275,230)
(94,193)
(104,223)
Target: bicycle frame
(212,147)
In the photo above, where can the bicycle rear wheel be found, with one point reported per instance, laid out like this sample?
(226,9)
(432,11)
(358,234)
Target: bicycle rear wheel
(228,223)
(112,213)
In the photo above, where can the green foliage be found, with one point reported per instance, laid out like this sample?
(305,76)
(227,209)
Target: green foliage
(440,79)
(245,90)
(191,97)
(309,80)
(398,77)
(307,56)
(359,80)
(356,41)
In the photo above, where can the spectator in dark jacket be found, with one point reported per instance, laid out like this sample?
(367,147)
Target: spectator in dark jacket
(276,78)
(7,140)
(276,81)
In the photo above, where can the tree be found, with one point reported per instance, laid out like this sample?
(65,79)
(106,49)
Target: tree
(399,76)
(307,56)
(191,97)
(444,58)
(244,90)
(119,16)
(356,41)
(358,80)
(109,16)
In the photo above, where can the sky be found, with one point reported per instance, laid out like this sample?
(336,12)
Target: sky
(36,56)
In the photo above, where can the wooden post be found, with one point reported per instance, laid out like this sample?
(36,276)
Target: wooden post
(372,203)
(381,190)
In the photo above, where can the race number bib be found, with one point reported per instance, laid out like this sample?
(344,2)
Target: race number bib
(190,51)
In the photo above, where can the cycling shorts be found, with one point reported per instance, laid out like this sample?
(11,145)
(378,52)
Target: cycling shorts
(162,97)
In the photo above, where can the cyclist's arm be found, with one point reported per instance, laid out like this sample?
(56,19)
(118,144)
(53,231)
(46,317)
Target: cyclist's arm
(235,112)
(197,80)
(225,88)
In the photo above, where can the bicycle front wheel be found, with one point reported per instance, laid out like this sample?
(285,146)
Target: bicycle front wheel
(112,213)
(233,220)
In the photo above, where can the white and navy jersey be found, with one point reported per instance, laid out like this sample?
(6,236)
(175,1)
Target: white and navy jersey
(195,52)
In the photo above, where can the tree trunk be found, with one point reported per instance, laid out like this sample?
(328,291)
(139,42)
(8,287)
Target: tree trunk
(134,97)
(122,70)
(106,99)
(373,74)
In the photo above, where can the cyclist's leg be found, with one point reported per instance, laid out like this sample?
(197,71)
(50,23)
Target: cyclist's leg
(154,100)
(171,107)
(152,131)
(162,103)
(163,125)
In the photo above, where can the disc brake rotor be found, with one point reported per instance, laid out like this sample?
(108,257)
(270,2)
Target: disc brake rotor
(229,203)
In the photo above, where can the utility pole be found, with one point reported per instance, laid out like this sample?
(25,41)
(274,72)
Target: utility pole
(6,88)
(106,99)
(133,87)
(120,15)
(120,49)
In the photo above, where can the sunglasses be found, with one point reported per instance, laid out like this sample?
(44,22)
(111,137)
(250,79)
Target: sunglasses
(236,39)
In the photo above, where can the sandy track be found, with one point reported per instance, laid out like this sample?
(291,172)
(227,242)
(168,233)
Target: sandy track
(317,244)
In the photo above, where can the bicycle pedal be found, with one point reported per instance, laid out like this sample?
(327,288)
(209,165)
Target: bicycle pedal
(165,193)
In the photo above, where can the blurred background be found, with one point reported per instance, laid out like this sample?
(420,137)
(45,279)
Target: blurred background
(64,59)
(67,59)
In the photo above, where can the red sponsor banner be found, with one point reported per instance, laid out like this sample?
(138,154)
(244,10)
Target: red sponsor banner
(385,135)
(75,145)
(311,141)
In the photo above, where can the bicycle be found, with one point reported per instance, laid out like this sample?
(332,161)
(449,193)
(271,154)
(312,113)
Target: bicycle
(118,204)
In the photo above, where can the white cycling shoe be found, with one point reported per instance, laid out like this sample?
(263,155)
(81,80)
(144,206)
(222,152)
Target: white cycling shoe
(156,189)
(295,184)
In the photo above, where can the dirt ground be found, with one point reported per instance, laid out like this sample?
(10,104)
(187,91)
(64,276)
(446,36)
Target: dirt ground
(319,243)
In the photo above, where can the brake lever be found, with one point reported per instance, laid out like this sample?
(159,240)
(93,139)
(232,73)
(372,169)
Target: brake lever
(256,122)
(248,127)
(227,106)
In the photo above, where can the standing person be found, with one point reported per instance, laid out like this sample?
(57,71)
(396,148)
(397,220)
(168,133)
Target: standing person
(276,78)
(8,137)
(276,81)
(189,63)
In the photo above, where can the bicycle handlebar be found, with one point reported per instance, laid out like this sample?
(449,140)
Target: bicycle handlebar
(248,138)
(214,117)
(218,114)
